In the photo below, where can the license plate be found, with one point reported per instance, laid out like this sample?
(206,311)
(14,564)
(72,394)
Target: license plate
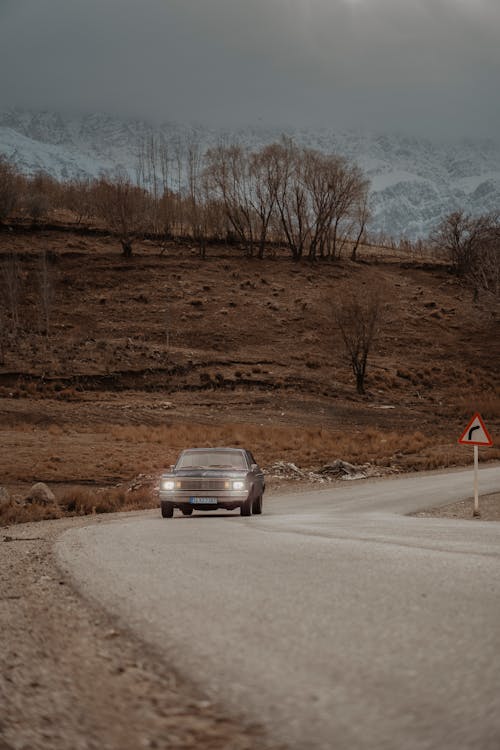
(203,500)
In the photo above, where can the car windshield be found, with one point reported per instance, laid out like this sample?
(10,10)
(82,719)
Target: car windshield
(211,460)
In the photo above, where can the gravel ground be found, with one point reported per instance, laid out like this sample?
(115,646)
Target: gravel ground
(69,678)
(489,509)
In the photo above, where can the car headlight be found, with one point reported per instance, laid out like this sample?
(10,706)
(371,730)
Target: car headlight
(238,485)
(167,484)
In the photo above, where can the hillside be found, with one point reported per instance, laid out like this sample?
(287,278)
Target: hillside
(149,355)
(415,181)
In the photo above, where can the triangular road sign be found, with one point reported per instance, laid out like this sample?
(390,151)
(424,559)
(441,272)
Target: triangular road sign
(476,433)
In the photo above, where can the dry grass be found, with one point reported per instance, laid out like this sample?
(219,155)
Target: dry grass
(487,404)
(79,501)
(82,502)
(307,447)
(12,512)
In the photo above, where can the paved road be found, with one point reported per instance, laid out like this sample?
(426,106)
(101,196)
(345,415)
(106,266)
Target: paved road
(333,619)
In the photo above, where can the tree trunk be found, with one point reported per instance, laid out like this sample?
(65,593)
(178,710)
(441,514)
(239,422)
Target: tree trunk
(126,248)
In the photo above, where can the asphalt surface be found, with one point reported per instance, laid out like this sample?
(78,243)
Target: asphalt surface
(333,619)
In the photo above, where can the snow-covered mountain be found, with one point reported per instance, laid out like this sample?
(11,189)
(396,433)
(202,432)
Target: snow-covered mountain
(414,181)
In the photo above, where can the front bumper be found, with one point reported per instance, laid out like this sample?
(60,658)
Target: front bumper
(227,499)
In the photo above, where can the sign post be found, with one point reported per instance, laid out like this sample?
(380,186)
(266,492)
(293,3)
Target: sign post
(476,434)
(476,481)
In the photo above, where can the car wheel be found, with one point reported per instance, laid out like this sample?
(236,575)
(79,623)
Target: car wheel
(167,509)
(257,506)
(246,508)
(187,511)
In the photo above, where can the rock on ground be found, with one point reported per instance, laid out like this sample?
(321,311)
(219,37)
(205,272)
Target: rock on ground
(40,494)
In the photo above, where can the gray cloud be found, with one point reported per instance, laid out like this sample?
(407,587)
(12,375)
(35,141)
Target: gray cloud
(426,66)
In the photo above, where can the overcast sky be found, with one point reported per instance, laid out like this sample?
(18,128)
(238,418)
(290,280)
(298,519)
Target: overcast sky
(423,66)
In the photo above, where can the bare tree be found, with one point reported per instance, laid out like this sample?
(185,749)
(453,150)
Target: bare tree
(317,198)
(155,175)
(228,177)
(9,188)
(45,294)
(291,196)
(472,245)
(78,197)
(197,195)
(123,207)
(321,200)
(348,187)
(3,333)
(264,181)
(10,297)
(11,289)
(459,238)
(485,273)
(40,197)
(358,320)
(362,216)
(178,166)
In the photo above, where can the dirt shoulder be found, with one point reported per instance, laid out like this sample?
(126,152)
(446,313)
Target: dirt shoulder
(489,509)
(70,678)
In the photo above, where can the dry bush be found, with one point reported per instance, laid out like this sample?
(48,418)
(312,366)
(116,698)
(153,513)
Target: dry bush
(82,502)
(78,501)
(140,499)
(13,512)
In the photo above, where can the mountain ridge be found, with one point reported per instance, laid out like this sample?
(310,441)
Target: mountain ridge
(415,181)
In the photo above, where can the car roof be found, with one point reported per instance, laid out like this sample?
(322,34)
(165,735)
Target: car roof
(236,450)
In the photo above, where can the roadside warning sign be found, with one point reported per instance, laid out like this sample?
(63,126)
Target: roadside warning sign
(476,433)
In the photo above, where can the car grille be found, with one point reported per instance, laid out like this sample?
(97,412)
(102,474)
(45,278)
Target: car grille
(202,485)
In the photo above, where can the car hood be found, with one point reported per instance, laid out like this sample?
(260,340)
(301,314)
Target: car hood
(212,473)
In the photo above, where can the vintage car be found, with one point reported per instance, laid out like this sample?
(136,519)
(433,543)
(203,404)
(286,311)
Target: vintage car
(212,478)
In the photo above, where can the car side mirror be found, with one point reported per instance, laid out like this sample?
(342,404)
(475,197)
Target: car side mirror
(172,467)
(254,466)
